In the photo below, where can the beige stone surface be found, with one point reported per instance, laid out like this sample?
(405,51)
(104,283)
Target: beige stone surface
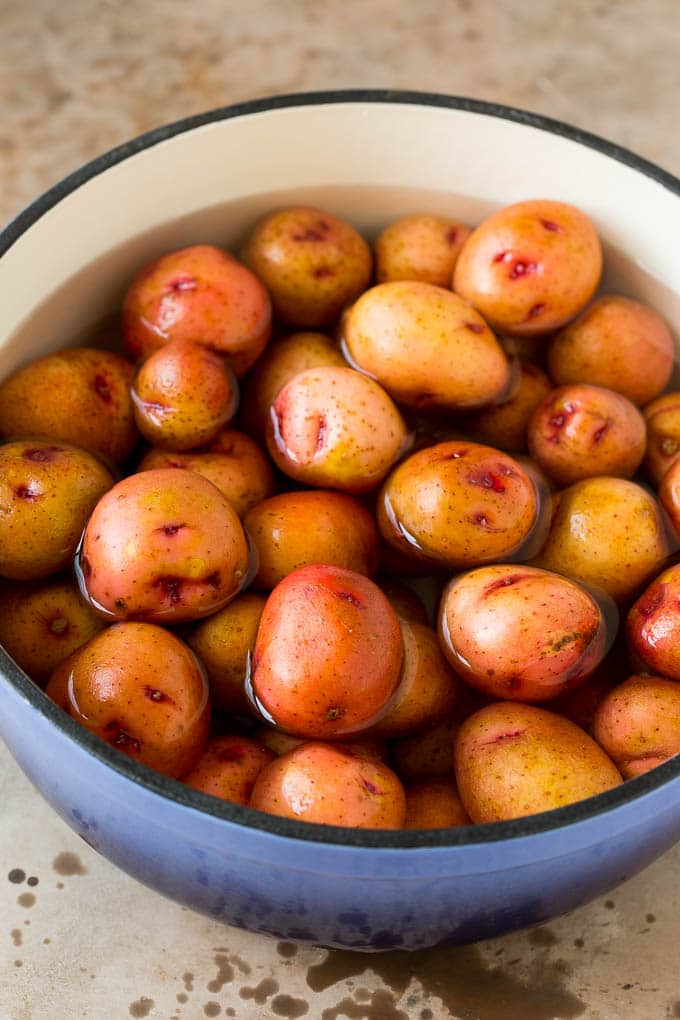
(79,76)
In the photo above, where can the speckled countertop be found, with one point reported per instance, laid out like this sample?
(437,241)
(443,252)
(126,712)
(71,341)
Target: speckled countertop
(80,939)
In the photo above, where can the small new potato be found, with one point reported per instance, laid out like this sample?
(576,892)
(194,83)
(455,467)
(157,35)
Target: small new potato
(296,529)
(582,431)
(514,760)
(638,723)
(280,743)
(403,600)
(183,394)
(506,424)
(663,435)
(530,267)
(228,768)
(335,428)
(200,293)
(419,247)
(142,690)
(653,625)
(519,633)
(331,785)
(163,545)
(618,343)
(312,263)
(434,804)
(426,346)
(47,493)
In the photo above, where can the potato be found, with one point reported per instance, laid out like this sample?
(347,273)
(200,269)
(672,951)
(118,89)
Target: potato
(43,623)
(335,428)
(322,628)
(233,462)
(329,784)
(47,493)
(406,604)
(607,533)
(426,347)
(79,396)
(458,504)
(280,743)
(427,686)
(669,494)
(228,768)
(663,435)
(653,625)
(618,343)
(163,545)
(434,804)
(505,424)
(514,760)
(224,643)
(519,633)
(278,365)
(530,267)
(419,247)
(296,529)
(312,264)
(582,431)
(581,703)
(183,394)
(200,293)
(142,690)
(638,723)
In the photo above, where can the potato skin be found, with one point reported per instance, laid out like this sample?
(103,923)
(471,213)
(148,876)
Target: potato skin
(434,804)
(458,504)
(607,533)
(228,768)
(530,267)
(80,396)
(406,604)
(638,723)
(296,529)
(323,627)
(425,346)
(142,690)
(513,760)
(199,293)
(47,493)
(582,431)
(280,743)
(518,633)
(330,785)
(419,247)
(233,462)
(663,435)
(653,625)
(506,424)
(335,428)
(618,343)
(312,264)
(164,546)
(183,394)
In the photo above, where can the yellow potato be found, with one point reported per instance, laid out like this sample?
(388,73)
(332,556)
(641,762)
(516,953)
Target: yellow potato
(420,247)
(638,723)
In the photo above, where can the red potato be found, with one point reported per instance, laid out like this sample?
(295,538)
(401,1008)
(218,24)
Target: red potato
(663,435)
(164,546)
(297,529)
(638,723)
(514,760)
(653,625)
(79,396)
(47,493)
(280,743)
(142,690)
(582,431)
(522,634)
(406,604)
(335,428)
(328,654)
(618,343)
(669,494)
(581,703)
(312,263)
(183,394)
(530,267)
(330,785)
(434,804)
(426,346)
(419,247)
(505,425)
(228,768)
(200,293)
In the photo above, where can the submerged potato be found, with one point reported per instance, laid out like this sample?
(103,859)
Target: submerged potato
(506,424)
(434,804)
(638,723)
(280,743)
(312,264)
(663,435)
(530,267)
(163,545)
(403,600)
(419,247)
(653,625)
(140,689)
(425,346)
(514,760)
(331,785)
(228,768)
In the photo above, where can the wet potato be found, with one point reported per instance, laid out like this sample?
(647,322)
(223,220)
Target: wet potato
(419,247)
(434,804)
(228,768)
(663,435)
(505,425)
(638,723)
(653,625)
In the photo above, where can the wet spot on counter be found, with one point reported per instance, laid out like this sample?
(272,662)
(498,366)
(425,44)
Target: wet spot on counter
(288,1007)
(32,880)
(579,943)
(380,1007)
(46,942)
(650,918)
(60,885)
(18,963)
(230,1011)
(260,993)
(26,899)
(17,876)
(225,974)
(676,1009)
(182,997)
(17,936)
(543,937)
(141,1007)
(212,1009)
(188,981)
(286,949)
(68,864)
(27,922)
(609,904)
(426,1014)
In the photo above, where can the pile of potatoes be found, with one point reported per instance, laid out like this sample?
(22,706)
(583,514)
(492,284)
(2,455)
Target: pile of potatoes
(212,543)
